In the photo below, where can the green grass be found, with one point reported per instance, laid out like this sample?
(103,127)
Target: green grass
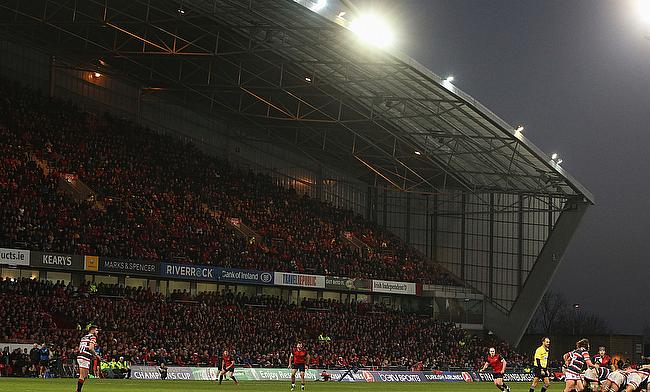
(69,385)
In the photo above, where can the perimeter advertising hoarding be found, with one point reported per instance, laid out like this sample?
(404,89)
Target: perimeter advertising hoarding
(299,280)
(283,374)
(14,257)
(175,373)
(129,267)
(348,284)
(56,261)
(193,272)
(390,287)
(235,275)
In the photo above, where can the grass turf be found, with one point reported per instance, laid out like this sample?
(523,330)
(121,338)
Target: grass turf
(70,385)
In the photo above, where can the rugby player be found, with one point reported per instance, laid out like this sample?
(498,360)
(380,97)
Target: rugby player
(576,362)
(227,366)
(87,354)
(637,380)
(498,368)
(298,361)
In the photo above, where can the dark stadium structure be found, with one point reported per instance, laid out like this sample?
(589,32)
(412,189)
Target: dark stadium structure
(279,88)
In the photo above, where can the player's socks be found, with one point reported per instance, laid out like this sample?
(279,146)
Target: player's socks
(293,386)
(544,388)
(220,378)
(80,384)
(533,389)
(506,387)
(302,387)
(234,379)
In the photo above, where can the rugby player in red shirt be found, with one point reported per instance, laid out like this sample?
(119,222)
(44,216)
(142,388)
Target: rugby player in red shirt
(227,366)
(298,361)
(498,367)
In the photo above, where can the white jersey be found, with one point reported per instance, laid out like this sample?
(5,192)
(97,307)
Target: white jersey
(84,345)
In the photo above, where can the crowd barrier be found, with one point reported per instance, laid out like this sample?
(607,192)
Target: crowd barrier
(279,374)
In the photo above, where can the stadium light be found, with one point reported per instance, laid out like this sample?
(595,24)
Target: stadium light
(519,129)
(447,82)
(319,5)
(307,79)
(643,7)
(554,156)
(98,75)
(418,153)
(373,30)
(559,161)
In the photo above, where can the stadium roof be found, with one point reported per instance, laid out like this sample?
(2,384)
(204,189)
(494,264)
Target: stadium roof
(304,81)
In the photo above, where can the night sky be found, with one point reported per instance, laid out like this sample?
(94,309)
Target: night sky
(577,75)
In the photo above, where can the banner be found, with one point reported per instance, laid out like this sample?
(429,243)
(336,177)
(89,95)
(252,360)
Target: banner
(234,275)
(390,287)
(193,272)
(56,261)
(336,283)
(299,280)
(175,373)
(14,257)
(91,263)
(507,377)
(128,267)
(284,374)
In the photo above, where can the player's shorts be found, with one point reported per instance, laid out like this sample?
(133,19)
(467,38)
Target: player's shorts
(591,375)
(298,366)
(571,376)
(635,380)
(617,378)
(540,372)
(83,362)
(497,375)
(230,369)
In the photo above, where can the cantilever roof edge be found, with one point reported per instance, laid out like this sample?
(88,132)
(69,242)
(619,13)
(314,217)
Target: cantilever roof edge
(478,107)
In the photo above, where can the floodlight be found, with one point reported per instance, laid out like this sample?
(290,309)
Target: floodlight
(418,153)
(643,7)
(449,79)
(559,161)
(520,128)
(319,5)
(554,156)
(98,75)
(307,79)
(373,30)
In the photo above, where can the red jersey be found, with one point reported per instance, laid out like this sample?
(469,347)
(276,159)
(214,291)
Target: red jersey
(602,361)
(299,357)
(496,362)
(228,361)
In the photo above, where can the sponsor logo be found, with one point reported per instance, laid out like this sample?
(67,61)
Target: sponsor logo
(91,263)
(299,280)
(14,256)
(368,376)
(302,280)
(385,286)
(266,277)
(60,260)
(128,266)
(467,377)
(190,272)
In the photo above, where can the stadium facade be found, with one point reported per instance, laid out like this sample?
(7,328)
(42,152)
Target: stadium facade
(282,89)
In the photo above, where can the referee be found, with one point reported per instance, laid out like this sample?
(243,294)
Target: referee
(540,366)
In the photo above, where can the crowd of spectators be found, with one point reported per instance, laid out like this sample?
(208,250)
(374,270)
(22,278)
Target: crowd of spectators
(148,328)
(165,200)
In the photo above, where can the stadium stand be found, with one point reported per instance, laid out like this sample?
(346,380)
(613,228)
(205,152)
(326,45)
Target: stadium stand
(154,198)
(148,328)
